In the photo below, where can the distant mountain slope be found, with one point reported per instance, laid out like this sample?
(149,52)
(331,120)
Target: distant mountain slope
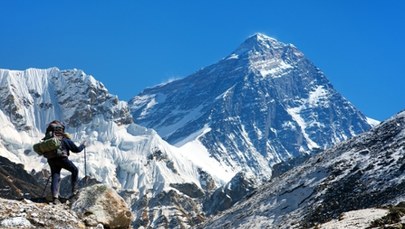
(16,183)
(364,172)
(263,104)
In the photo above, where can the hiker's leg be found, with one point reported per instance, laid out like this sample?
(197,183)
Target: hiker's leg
(68,165)
(55,173)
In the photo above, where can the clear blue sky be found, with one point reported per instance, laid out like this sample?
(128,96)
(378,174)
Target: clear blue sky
(131,45)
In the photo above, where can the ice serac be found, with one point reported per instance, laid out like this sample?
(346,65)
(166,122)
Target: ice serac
(262,104)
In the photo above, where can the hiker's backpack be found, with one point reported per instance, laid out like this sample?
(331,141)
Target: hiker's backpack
(51,145)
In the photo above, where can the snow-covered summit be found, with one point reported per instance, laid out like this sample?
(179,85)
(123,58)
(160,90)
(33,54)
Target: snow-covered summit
(262,104)
(258,43)
(267,56)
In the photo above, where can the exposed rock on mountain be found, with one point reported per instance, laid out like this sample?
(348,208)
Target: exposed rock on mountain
(226,196)
(16,183)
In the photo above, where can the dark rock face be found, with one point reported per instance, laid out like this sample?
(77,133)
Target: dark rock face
(16,183)
(191,190)
(207,182)
(226,196)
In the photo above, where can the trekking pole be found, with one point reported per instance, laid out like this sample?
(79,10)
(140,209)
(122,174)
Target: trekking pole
(46,185)
(85,163)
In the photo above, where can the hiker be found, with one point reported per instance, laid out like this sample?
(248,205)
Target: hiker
(59,160)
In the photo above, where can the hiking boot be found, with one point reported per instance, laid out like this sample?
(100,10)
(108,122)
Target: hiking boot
(74,192)
(56,201)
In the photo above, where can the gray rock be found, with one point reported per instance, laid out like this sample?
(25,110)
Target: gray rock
(101,204)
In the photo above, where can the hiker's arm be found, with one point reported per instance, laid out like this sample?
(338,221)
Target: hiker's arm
(72,146)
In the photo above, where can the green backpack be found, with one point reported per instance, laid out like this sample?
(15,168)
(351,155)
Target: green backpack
(51,145)
(48,145)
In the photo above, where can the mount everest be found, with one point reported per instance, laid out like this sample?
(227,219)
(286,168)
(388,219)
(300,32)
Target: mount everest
(263,104)
(225,125)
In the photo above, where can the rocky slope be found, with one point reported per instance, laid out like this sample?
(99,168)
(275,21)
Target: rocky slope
(27,214)
(363,172)
(96,206)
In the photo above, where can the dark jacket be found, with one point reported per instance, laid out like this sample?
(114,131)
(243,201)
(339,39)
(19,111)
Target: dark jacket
(68,145)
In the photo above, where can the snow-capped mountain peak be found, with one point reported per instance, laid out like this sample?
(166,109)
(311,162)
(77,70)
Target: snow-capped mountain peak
(262,104)
(258,43)
(267,56)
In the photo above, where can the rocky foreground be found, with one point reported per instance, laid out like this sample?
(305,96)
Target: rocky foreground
(28,214)
(97,206)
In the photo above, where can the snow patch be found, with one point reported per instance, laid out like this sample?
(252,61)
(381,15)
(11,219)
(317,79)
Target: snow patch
(317,96)
(233,56)
(295,114)
(372,122)
(196,152)
(271,68)
(356,219)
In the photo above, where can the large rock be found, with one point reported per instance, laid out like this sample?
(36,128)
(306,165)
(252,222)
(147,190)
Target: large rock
(101,204)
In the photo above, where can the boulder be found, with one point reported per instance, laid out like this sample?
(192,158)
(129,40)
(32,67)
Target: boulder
(100,204)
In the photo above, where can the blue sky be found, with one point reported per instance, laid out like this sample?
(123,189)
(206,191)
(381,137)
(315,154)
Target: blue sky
(131,45)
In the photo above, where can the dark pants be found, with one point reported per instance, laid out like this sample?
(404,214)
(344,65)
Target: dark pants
(57,164)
